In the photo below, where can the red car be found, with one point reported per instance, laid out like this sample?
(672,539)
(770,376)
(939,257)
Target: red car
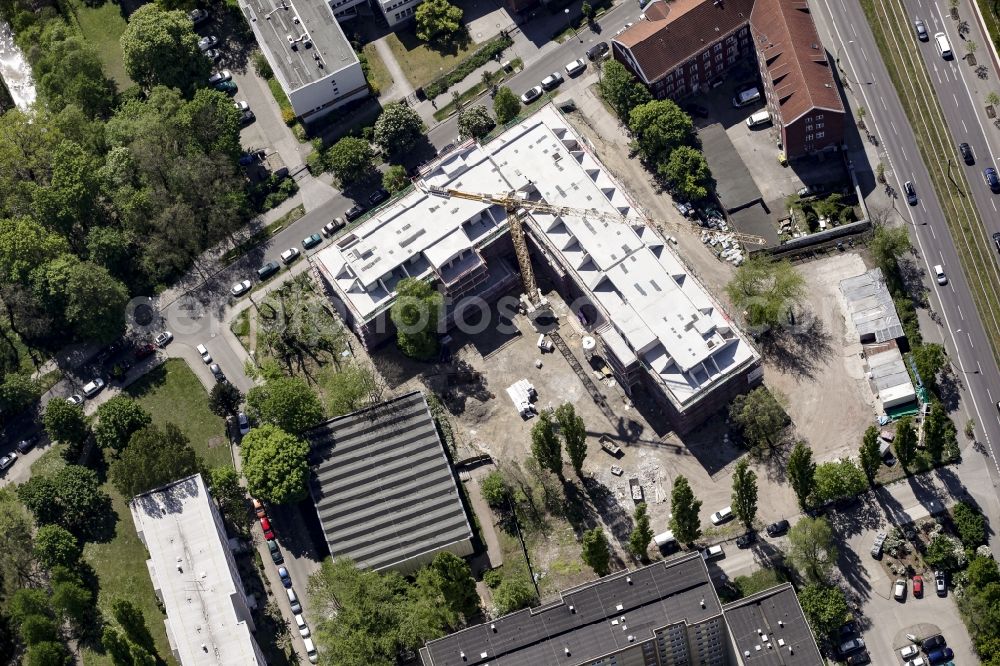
(258,508)
(918,586)
(265,525)
(144,351)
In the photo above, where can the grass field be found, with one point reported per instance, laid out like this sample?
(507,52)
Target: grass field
(171,392)
(378,76)
(421,63)
(103,27)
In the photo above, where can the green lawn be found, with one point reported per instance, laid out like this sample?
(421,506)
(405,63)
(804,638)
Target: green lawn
(378,76)
(103,26)
(421,63)
(171,392)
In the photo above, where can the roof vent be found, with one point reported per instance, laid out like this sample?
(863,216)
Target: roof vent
(462,655)
(631,638)
(566,650)
(703,602)
(628,579)
(296,21)
(493,626)
(572,609)
(204,647)
(781,623)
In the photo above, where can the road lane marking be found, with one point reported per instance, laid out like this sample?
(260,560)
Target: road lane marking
(882,99)
(960,311)
(863,53)
(933,235)
(970,339)
(854,30)
(994,204)
(955,97)
(964,127)
(893,126)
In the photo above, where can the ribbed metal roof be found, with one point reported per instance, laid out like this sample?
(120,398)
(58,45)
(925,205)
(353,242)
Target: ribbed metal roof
(871,308)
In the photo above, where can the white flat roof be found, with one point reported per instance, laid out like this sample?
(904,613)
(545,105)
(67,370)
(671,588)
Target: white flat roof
(190,563)
(659,310)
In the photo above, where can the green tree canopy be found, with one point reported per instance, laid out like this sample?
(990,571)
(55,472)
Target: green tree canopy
(759,418)
(416,313)
(622,90)
(161,48)
(286,402)
(981,572)
(494,490)
(595,553)
(65,422)
(224,399)
(437,20)
(684,520)
(545,443)
(398,128)
(825,607)
(36,629)
(17,557)
(869,458)
(17,392)
(224,484)
(154,457)
(970,523)
(395,179)
(812,550)
(24,246)
(75,605)
(457,584)
(513,594)
(939,432)
(275,465)
(659,127)
(765,291)
(351,160)
(642,533)
(70,497)
(930,359)
(574,435)
(506,105)
(941,553)
(687,173)
(801,472)
(745,493)
(888,244)
(83,295)
(905,442)
(55,546)
(348,389)
(47,653)
(475,121)
(117,420)
(68,71)
(838,480)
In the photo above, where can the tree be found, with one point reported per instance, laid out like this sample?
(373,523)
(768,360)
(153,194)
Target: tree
(348,389)
(494,490)
(642,533)
(70,497)
(36,629)
(153,457)
(437,20)
(595,551)
(545,444)
(48,653)
(68,71)
(687,173)
(930,359)
(416,313)
(117,420)
(825,607)
(17,557)
(888,244)
(55,546)
(587,10)
(161,48)
(970,524)
(905,442)
(475,122)
(941,553)
(759,417)
(74,603)
(939,432)
(659,127)
(65,422)
(457,583)
(513,594)
(506,105)
(745,493)
(801,472)
(395,179)
(684,509)
(275,465)
(83,295)
(351,160)
(838,480)
(286,402)
(765,291)
(24,246)
(224,484)
(17,392)
(621,90)
(993,99)
(811,548)
(869,456)
(398,127)
(574,434)
(982,571)
(224,399)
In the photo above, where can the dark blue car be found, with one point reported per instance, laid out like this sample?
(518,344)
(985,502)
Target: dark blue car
(990,176)
(940,655)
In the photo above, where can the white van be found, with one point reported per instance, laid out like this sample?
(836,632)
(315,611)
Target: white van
(310,650)
(722,515)
(664,539)
(746,97)
(758,119)
(943,45)
(293,601)
(942,279)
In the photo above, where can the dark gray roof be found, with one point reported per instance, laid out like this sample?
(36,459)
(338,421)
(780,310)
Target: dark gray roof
(755,220)
(382,485)
(733,183)
(769,629)
(587,620)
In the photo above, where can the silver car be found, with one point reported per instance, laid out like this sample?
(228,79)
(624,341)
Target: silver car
(240,288)
(531,95)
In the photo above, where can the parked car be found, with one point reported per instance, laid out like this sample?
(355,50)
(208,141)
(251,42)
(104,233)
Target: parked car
(859,658)
(722,515)
(228,87)
(219,77)
(918,586)
(242,106)
(911,193)
(330,228)
(598,51)
(208,43)
(377,197)
(851,645)
(293,601)
(198,16)
(899,589)
(745,540)
(909,652)
(309,242)
(27,444)
(712,553)
(302,626)
(7,461)
(163,339)
(575,67)
(940,584)
(311,653)
(203,351)
(996,241)
(940,655)
(144,351)
(244,423)
(696,110)
(276,556)
(966,152)
(552,81)
(921,30)
(265,525)
(991,178)
(240,288)
(268,269)
(286,579)
(877,545)
(258,508)
(213,54)
(75,399)
(93,387)
(531,95)
(932,642)
(777,529)
(289,255)
(355,212)
(217,371)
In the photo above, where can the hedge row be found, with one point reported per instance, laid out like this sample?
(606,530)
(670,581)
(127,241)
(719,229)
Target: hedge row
(489,51)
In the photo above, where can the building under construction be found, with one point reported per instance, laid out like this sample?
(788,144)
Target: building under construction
(658,327)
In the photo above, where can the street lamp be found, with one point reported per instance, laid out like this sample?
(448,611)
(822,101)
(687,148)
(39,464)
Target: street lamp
(569,24)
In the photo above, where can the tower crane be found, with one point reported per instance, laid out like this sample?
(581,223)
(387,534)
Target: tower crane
(513,204)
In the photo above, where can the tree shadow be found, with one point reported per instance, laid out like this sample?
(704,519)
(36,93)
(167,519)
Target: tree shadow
(612,513)
(949,387)
(445,46)
(799,350)
(462,382)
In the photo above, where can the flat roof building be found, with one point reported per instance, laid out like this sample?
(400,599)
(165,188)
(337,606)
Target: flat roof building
(659,327)
(664,613)
(309,54)
(770,629)
(870,306)
(195,577)
(384,489)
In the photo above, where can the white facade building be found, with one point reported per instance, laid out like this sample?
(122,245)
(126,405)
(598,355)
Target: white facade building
(308,52)
(195,577)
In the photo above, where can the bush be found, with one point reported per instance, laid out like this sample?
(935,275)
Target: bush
(488,52)
(262,66)
(288,116)
(493,578)
(970,524)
